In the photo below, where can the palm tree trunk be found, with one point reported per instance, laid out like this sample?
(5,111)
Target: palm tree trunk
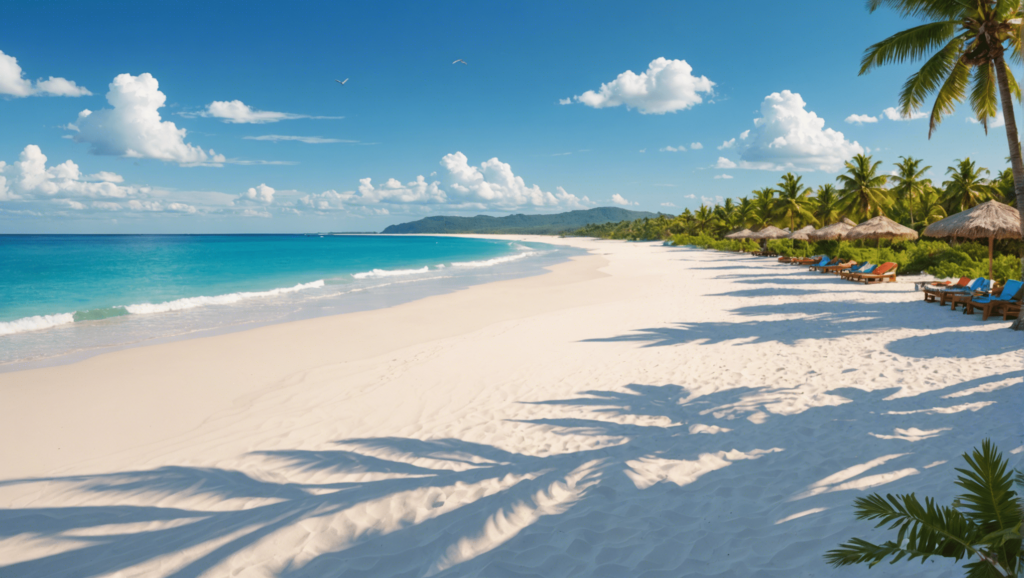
(1015,161)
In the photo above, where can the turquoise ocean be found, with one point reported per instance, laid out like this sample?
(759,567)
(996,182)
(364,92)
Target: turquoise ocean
(70,296)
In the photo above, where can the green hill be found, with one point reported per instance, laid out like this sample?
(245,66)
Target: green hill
(518,224)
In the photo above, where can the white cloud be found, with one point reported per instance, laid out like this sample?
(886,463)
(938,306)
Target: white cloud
(237,112)
(30,178)
(997,122)
(711,200)
(668,204)
(689,197)
(892,114)
(728,144)
(106,206)
(671,149)
(666,86)
(256,213)
(643,150)
(565,101)
(133,128)
(860,119)
(13,83)
(723,176)
(260,194)
(305,139)
(696,146)
(790,137)
(620,200)
(159,207)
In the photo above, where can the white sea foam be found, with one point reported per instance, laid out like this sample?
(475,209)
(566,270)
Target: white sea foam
(380,273)
(226,299)
(35,323)
(496,260)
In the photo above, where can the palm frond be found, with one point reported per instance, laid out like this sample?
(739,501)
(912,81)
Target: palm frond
(983,94)
(930,76)
(951,93)
(911,44)
(948,9)
(989,501)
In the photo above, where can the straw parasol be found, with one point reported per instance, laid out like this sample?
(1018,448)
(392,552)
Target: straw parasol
(802,234)
(880,227)
(833,231)
(770,232)
(992,219)
(848,222)
(741,234)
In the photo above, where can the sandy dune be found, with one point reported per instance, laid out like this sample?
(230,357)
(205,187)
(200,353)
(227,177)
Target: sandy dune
(642,411)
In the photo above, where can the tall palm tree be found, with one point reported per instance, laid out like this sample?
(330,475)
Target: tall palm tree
(929,207)
(745,212)
(1003,187)
(863,193)
(972,41)
(909,182)
(703,217)
(826,204)
(764,201)
(966,186)
(794,201)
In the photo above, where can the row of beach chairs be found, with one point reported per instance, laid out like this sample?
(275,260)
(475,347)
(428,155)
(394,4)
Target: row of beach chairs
(849,270)
(978,294)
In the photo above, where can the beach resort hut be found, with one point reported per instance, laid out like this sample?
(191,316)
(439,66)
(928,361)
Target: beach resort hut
(880,227)
(992,220)
(832,232)
(741,234)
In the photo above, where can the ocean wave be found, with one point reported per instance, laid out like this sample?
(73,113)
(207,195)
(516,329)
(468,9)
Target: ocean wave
(226,299)
(496,260)
(380,273)
(35,323)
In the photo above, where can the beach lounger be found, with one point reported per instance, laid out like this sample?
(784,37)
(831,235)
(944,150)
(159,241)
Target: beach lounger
(931,291)
(807,260)
(824,263)
(1011,311)
(977,288)
(885,273)
(1006,296)
(839,268)
(865,268)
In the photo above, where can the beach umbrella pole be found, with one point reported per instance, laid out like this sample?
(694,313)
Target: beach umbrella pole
(990,277)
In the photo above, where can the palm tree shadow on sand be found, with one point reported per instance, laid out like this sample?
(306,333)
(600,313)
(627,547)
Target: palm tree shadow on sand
(656,481)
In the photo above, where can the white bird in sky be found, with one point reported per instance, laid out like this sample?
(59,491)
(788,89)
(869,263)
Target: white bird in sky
(341,81)
(459,60)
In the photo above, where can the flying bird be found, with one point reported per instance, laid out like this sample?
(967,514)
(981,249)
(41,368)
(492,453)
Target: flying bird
(341,81)
(459,60)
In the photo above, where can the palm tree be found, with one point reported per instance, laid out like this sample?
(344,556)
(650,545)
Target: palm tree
(972,38)
(826,204)
(703,217)
(966,187)
(929,207)
(793,202)
(909,182)
(983,524)
(863,194)
(764,200)
(1002,187)
(745,212)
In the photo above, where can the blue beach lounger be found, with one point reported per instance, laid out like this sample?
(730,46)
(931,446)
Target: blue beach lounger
(986,304)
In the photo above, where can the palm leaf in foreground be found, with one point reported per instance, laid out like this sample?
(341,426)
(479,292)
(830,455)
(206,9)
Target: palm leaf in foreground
(987,532)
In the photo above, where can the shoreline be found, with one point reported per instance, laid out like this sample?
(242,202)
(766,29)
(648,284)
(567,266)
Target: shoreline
(640,409)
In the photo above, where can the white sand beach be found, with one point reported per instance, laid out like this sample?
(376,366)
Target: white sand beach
(641,411)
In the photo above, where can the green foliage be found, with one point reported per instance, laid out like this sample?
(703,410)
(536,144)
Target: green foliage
(982,525)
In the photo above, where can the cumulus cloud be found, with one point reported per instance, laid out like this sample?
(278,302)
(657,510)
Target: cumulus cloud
(696,146)
(30,178)
(668,204)
(711,200)
(133,127)
(237,112)
(666,86)
(565,101)
(620,200)
(159,207)
(671,149)
(259,194)
(996,122)
(892,114)
(723,176)
(305,139)
(727,144)
(492,185)
(790,137)
(860,119)
(13,82)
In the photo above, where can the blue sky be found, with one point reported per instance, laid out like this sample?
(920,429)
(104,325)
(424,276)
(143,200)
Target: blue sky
(408,112)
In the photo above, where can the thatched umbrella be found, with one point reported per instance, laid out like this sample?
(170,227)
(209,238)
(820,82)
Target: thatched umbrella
(848,221)
(802,234)
(832,232)
(992,219)
(880,227)
(741,234)
(771,232)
